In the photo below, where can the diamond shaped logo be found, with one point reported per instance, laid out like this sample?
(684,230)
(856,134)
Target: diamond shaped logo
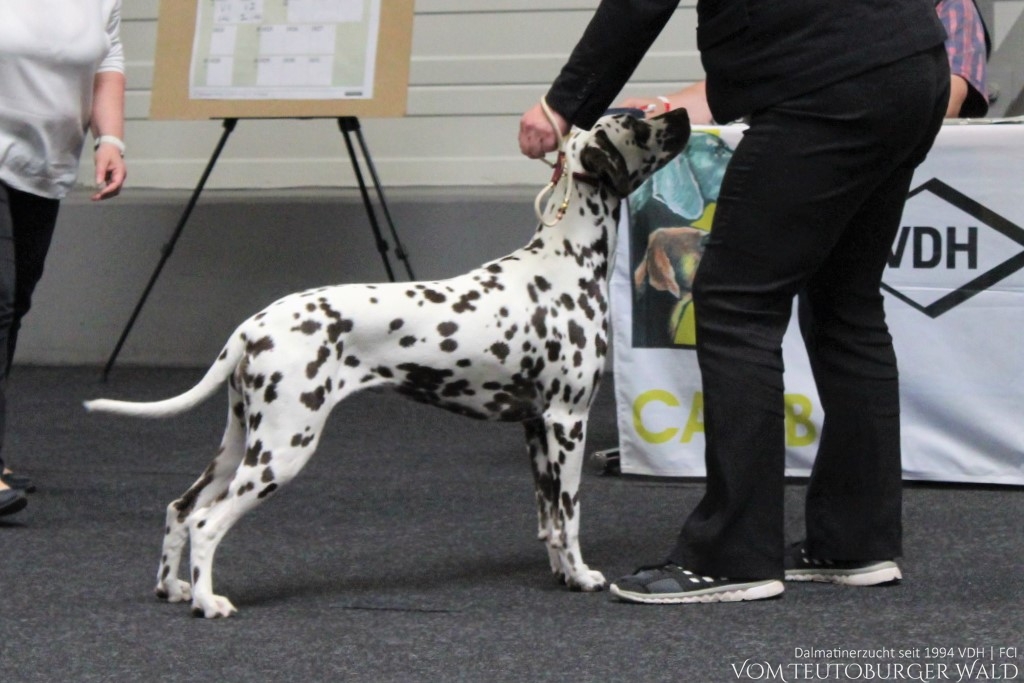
(949,249)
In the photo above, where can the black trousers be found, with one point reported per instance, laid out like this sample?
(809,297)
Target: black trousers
(26,229)
(810,203)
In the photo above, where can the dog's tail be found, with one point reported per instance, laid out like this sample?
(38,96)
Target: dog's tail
(221,369)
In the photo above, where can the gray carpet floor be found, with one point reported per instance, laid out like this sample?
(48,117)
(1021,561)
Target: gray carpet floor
(405,551)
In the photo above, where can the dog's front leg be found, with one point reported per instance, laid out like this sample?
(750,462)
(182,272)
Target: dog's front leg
(537,449)
(558,483)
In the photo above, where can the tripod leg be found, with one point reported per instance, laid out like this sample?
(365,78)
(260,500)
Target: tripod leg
(229,126)
(399,249)
(348,124)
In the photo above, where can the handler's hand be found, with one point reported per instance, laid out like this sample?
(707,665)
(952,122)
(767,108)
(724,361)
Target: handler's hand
(536,136)
(110,172)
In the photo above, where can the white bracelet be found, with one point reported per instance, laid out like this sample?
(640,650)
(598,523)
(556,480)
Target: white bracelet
(110,140)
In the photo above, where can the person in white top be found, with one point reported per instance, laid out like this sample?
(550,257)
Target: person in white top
(61,75)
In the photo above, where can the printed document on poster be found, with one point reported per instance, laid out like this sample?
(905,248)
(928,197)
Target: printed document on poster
(284,49)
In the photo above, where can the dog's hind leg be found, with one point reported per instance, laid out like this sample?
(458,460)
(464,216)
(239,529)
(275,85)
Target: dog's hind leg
(556,449)
(212,483)
(274,454)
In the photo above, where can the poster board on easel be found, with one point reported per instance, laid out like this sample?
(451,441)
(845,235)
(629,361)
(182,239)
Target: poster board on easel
(274,58)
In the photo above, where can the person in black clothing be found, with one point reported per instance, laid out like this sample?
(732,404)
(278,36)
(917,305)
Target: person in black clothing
(967,46)
(843,101)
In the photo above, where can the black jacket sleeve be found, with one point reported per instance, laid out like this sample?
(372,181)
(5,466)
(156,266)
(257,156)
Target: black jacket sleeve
(618,36)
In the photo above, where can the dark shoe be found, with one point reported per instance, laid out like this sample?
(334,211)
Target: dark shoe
(16,481)
(11,501)
(671,584)
(801,567)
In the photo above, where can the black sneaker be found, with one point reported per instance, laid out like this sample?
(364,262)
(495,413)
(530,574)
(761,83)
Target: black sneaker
(19,482)
(671,584)
(801,567)
(11,501)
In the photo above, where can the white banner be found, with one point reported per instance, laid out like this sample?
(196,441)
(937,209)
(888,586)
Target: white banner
(954,300)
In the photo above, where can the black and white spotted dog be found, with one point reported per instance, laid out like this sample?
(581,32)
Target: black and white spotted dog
(520,339)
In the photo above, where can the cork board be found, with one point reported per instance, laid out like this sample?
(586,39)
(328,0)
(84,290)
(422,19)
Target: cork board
(176,35)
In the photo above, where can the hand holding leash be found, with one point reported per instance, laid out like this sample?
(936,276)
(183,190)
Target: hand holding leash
(540,133)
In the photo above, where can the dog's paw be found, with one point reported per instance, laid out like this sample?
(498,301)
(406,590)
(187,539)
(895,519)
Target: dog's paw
(174,590)
(214,607)
(587,581)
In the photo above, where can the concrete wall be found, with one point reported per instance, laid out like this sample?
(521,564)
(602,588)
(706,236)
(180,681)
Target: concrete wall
(1005,19)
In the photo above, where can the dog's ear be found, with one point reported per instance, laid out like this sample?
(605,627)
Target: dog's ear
(601,158)
(662,273)
(675,129)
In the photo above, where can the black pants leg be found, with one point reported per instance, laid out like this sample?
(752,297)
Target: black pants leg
(26,230)
(854,499)
(812,199)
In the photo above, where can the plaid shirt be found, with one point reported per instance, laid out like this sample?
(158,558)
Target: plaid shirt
(965,45)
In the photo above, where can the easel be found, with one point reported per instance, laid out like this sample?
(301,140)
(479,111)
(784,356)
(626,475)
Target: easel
(348,125)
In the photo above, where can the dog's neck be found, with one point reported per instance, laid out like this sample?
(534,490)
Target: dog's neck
(583,226)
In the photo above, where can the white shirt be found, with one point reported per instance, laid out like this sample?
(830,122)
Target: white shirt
(50,53)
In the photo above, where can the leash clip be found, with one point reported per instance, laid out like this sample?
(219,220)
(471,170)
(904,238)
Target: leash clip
(558,168)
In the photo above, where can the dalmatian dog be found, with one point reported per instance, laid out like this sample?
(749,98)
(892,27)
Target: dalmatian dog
(520,339)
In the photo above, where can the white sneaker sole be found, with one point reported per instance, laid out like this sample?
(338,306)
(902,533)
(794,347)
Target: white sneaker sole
(883,572)
(756,590)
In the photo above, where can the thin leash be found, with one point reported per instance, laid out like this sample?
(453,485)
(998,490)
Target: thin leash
(560,166)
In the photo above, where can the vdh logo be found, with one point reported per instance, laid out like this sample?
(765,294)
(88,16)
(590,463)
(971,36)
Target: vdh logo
(949,249)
